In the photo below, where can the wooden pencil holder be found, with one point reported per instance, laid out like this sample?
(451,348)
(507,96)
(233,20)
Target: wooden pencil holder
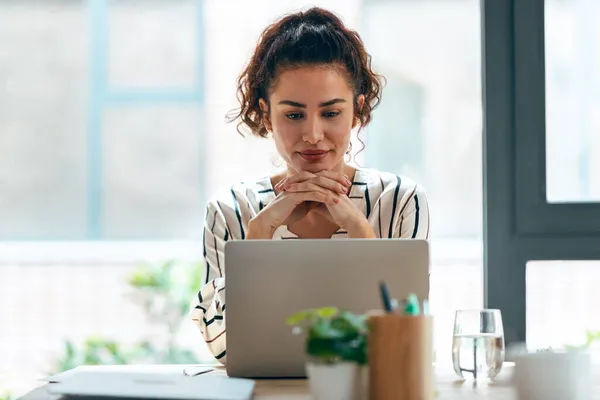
(400,353)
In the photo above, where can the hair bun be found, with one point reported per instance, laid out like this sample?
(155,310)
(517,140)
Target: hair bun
(319,16)
(315,16)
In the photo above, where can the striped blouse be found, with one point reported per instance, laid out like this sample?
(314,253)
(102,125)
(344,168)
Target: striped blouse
(395,206)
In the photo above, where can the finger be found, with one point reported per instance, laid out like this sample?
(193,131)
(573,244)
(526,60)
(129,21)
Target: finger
(336,176)
(332,184)
(299,177)
(317,184)
(321,197)
(304,187)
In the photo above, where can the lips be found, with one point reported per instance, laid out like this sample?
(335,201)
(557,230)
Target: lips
(314,155)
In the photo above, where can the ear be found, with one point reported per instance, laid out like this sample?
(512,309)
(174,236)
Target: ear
(264,108)
(360,102)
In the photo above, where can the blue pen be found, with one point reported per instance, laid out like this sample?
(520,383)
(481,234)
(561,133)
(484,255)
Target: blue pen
(385,297)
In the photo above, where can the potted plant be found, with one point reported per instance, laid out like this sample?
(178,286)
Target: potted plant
(336,343)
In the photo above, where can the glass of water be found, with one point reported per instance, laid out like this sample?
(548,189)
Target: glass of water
(478,343)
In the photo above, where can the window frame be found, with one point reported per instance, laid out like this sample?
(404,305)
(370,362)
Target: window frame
(534,213)
(519,223)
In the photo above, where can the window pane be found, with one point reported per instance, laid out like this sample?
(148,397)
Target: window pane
(152,173)
(157,47)
(42,120)
(562,300)
(572,48)
(428,126)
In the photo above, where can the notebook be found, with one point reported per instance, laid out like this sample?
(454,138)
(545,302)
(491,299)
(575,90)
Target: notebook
(150,385)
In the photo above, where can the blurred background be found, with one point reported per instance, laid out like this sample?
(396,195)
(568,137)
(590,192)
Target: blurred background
(113,135)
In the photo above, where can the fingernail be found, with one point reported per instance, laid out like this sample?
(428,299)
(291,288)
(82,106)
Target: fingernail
(336,200)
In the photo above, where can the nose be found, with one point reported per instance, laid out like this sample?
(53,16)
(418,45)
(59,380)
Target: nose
(313,133)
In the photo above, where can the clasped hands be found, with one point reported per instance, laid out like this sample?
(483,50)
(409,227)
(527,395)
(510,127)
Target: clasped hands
(324,192)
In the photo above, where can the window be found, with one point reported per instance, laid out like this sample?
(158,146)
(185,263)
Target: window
(103,124)
(532,216)
(559,299)
(572,100)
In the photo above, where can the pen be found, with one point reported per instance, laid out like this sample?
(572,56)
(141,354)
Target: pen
(385,297)
(394,304)
(412,306)
(425,307)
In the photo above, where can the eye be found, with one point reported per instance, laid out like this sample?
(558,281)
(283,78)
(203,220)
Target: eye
(331,114)
(294,116)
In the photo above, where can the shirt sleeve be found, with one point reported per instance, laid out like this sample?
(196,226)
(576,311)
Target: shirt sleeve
(208,312)
(412,221)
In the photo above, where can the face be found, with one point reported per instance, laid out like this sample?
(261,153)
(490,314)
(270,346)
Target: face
(311,116)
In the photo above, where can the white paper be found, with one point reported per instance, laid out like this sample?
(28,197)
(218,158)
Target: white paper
(173,369)
(161,382)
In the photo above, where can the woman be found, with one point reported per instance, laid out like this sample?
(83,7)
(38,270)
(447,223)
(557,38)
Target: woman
(308,83)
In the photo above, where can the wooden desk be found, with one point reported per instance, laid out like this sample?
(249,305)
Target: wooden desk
(449,388)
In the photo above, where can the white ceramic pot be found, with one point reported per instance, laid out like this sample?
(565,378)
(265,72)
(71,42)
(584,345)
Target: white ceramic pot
(552,375)
(362,383)
(334,381)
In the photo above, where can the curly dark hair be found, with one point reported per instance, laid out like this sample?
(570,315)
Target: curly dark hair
(312,37)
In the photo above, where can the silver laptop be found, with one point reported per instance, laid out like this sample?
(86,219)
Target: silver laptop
(269,280)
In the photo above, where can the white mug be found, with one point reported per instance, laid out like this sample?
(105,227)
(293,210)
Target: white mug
(552,375)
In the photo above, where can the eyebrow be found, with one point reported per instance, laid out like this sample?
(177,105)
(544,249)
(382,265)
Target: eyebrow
(300,105)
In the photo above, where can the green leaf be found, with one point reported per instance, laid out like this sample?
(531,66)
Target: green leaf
(358,322)
(355,351)
(311,315)
(298,318)
(326,312)
(70,350)
(352,324)
(142,278)
(325,329)
(333,335)
(7,396)
(334,350)
(323,349)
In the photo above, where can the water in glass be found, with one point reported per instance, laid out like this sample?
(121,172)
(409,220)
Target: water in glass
(478,355)
(478,343)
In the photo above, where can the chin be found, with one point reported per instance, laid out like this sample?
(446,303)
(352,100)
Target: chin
(311,167)
(316,167)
